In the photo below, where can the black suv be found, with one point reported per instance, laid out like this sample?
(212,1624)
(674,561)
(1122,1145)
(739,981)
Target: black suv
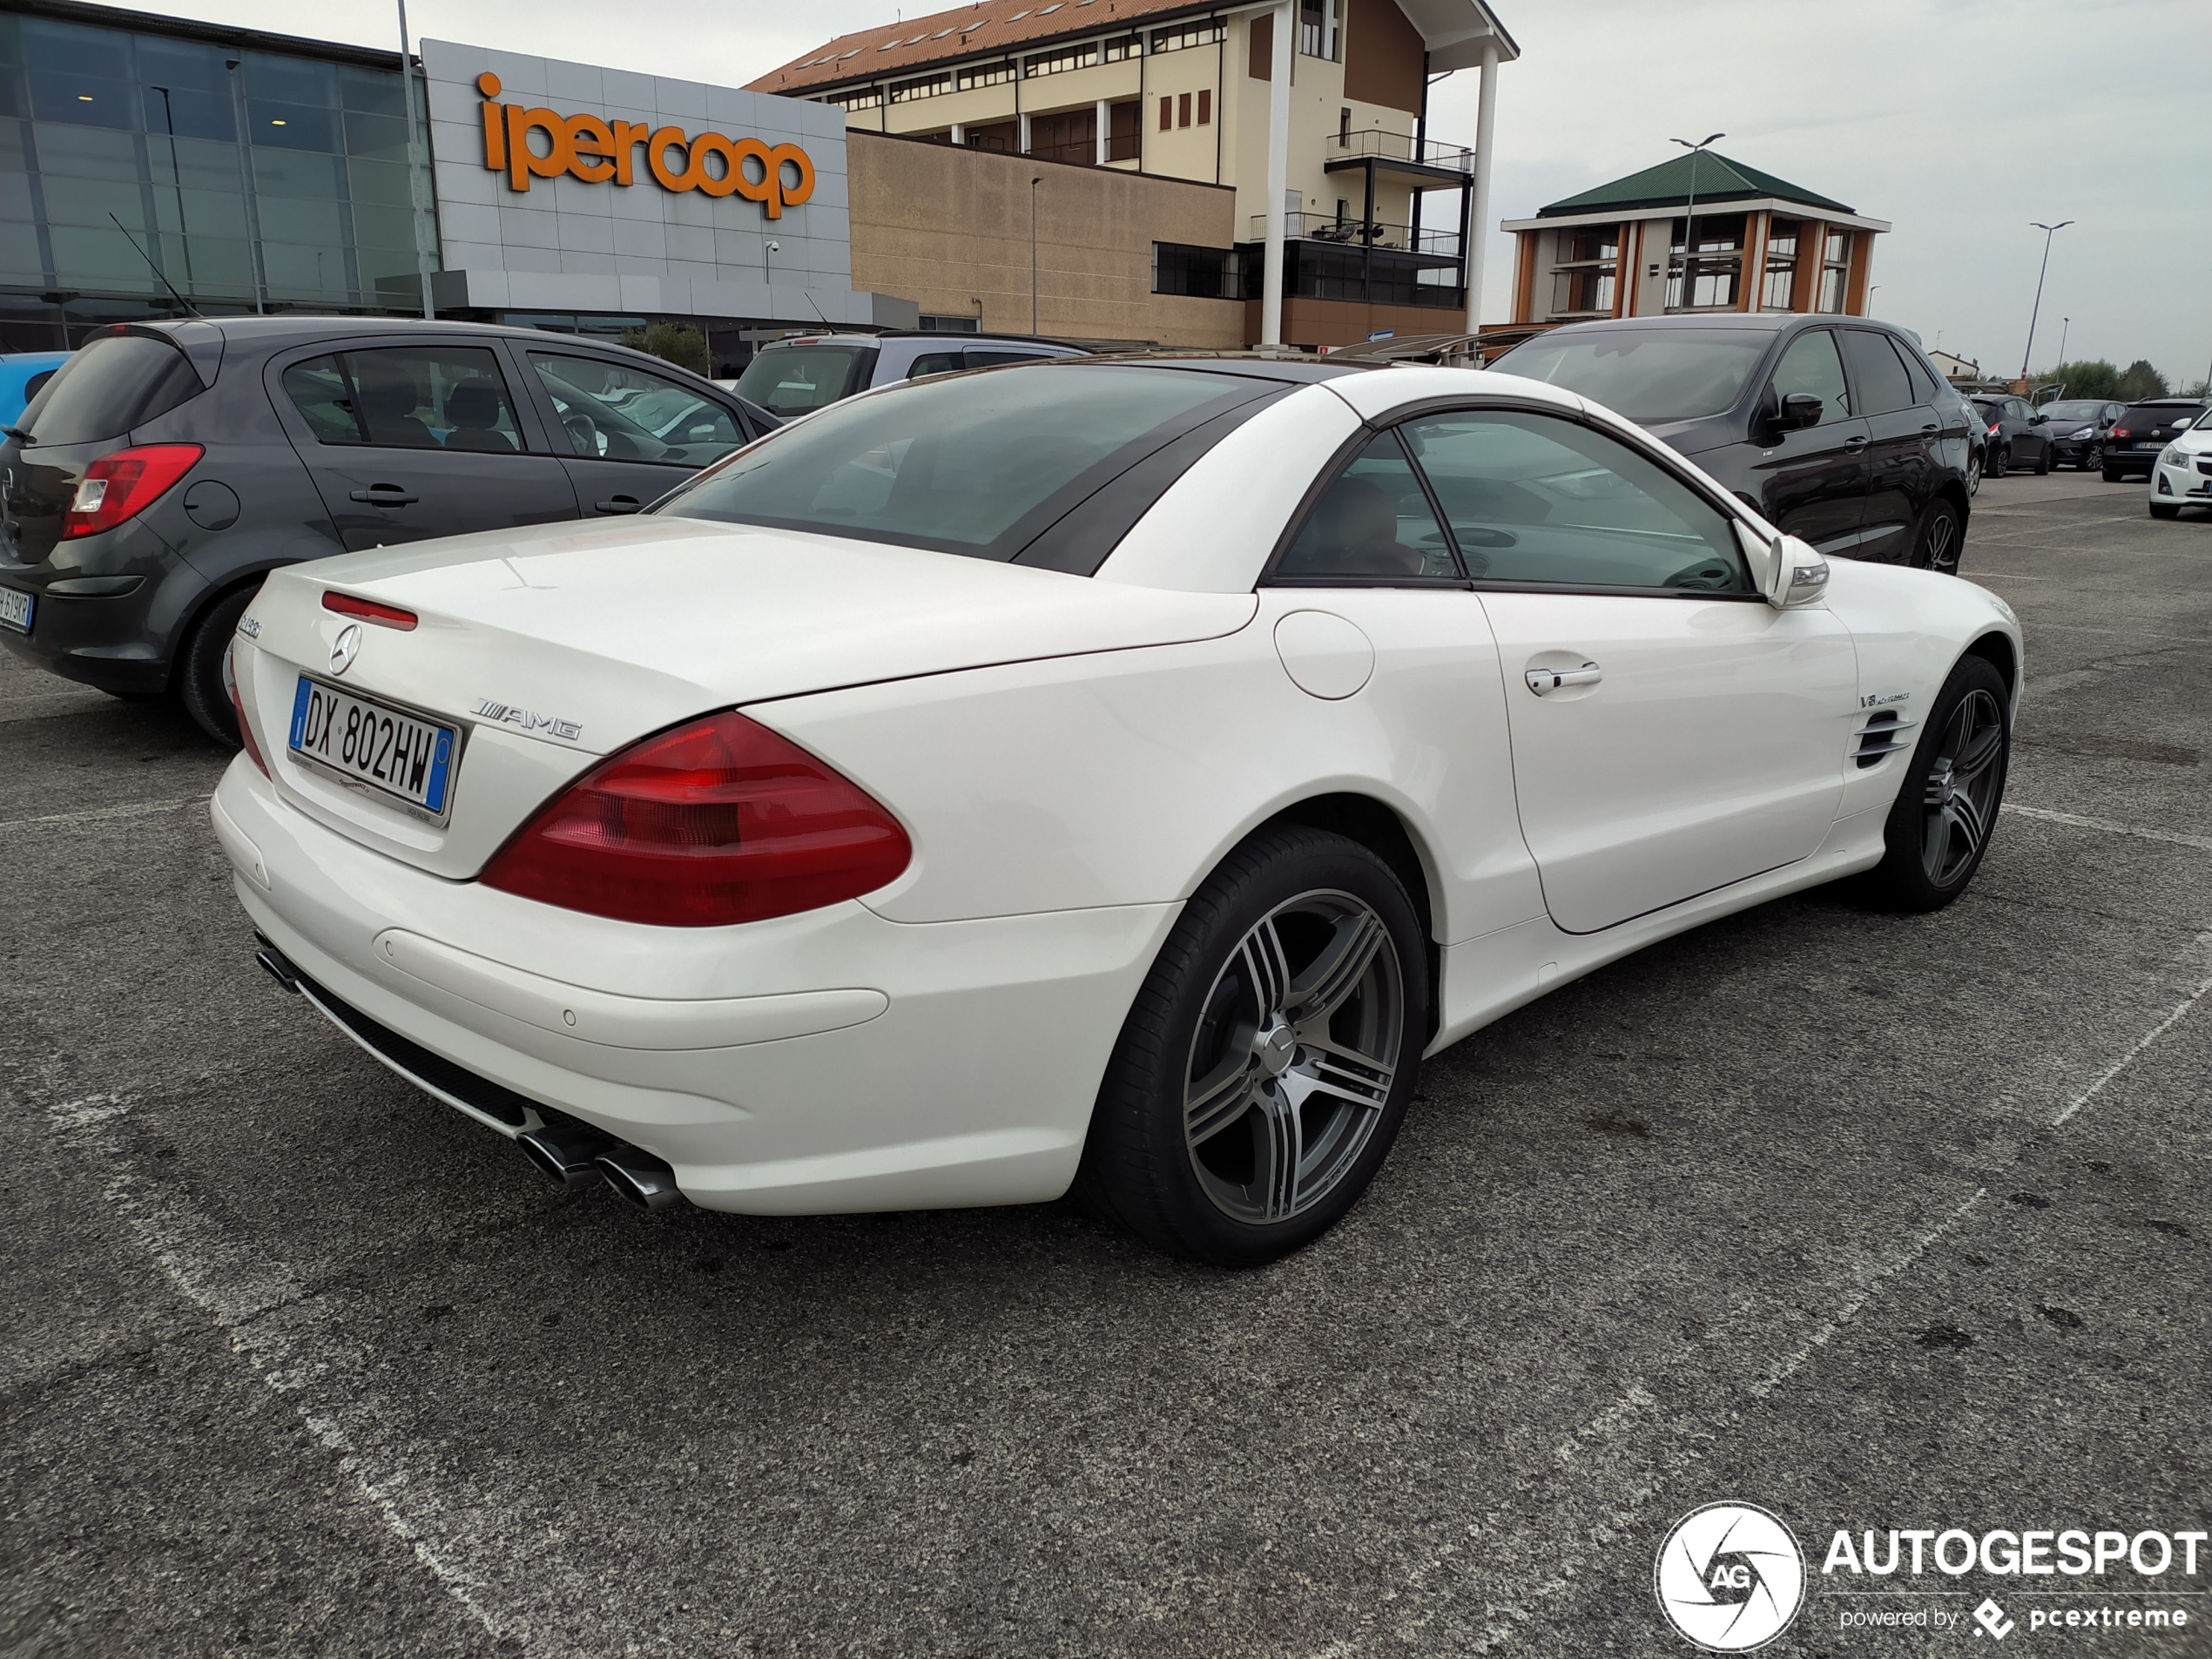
(1837,430)
(2143,429)
(169,465)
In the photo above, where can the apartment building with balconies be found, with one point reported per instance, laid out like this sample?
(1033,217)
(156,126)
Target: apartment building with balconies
(1375,210)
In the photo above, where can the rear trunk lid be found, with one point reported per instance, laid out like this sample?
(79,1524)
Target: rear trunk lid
(546,649)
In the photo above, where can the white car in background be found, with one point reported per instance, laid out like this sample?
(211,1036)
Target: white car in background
(1113,772)
(2183,475)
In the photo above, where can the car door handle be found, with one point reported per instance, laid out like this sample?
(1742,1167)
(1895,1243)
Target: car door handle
(1930,426)
(618,504)
(385,495)
(1545,681)
(1854,444)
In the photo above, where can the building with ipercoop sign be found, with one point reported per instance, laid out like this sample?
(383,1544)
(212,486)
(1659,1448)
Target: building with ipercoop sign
(1159,173)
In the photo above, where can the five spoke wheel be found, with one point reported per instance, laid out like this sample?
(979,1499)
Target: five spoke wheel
(1961,793)
(1292,1061)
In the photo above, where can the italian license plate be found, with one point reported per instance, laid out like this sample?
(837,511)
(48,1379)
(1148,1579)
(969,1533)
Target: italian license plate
(16,607)
(370,742)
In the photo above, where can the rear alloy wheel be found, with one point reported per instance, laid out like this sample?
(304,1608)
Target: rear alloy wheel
(200,666)
(1936,548)
(1997,461)
(1263,1068)
(1948,801)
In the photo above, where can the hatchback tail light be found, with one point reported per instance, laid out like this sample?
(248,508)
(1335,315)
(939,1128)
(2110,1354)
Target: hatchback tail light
(710,823)
(2121,432)
(121,486)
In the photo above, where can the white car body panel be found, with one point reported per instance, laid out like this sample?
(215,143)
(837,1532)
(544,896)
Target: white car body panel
(2177,468)
(1071,757)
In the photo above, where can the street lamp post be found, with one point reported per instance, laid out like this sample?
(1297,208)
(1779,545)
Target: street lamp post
(1690,221)
(2049,231)
(2065,323)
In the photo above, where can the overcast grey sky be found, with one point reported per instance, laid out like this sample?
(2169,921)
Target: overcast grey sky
(1958,120)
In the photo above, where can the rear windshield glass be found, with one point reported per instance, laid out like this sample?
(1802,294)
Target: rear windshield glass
(977,463)
(2150,415)
(1647,374)
(113,384)
(797,380)
(2078,410)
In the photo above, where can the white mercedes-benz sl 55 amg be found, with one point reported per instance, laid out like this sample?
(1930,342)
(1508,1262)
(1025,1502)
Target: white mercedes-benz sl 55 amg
(1115,774)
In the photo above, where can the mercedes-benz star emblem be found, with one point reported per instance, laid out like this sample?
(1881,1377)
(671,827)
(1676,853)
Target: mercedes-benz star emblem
(345,648)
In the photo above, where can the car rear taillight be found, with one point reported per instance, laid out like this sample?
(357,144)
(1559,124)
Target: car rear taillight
(710,823)
(121,486)
(1993,428)
(2121,432)
(368,610)
(237,708)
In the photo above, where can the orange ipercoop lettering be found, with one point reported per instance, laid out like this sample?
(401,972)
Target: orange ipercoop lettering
(585,147)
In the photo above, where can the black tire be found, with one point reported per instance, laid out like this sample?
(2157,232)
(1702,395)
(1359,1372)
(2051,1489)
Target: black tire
(199,665)
(1927,865)
(2114,476)
(2043,462)
(2093,458)
(1936,543)
(2000,458)
(1199,1178)
(2165,510)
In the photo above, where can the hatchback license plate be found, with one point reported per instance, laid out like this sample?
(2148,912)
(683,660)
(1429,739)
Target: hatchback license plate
(369,741)
(16,607)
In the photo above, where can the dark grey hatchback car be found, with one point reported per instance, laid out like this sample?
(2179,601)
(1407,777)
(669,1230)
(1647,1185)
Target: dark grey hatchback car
(169,465)
(1837,429)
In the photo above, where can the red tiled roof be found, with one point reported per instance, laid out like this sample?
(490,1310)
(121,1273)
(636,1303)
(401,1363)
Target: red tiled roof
(964,33)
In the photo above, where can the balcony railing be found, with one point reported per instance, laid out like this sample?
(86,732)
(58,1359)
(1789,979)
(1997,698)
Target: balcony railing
(1356,233)
(1399,146)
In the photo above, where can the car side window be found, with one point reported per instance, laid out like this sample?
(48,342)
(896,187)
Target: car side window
(1533,499)
(610,411)
(1372,524)
(979,357)
(1812,365)
(1923,386)
(933,362)
(1880,378)
(407,397)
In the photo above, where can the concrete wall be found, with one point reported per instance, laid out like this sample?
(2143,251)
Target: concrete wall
(948,227)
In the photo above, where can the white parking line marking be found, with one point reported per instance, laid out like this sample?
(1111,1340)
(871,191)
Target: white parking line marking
(274,1324)
(2203,942)
(1639,1485)
(2142,831)
(104,814)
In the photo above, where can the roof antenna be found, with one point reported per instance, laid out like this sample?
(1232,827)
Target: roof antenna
(191,310)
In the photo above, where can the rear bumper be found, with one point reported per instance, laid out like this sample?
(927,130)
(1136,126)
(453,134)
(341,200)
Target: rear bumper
(827,1061)
(2142,461)
(121,635)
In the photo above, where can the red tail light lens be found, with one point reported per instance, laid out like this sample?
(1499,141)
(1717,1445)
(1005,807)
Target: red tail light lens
(715,822)
(368,610)
(1993,427)
(237,708)
(121,486)
(2121,432)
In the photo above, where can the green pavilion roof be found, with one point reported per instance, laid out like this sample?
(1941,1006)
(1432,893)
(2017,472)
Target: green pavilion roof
(1667,184)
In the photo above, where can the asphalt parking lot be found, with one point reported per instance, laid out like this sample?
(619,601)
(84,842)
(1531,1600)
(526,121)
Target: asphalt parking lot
(1876,1222)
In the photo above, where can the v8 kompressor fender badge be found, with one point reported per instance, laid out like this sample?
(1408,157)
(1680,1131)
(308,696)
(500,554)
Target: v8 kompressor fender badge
(528,720)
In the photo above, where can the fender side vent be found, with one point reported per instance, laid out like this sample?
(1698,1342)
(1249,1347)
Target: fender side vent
(1883,734)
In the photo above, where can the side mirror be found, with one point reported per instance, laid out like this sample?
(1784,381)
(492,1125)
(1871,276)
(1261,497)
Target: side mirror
(2039,420)
(1800,410)
(1788,571)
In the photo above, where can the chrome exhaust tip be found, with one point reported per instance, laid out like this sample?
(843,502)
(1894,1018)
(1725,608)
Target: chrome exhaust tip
(639,1177)
(563,1152)
(274,965)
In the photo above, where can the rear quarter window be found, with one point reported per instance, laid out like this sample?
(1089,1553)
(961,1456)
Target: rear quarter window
(113,384)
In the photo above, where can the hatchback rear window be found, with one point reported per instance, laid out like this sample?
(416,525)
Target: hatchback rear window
(789,380)
(2146,417)
(113,384)
(977,464)
(1646,374)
